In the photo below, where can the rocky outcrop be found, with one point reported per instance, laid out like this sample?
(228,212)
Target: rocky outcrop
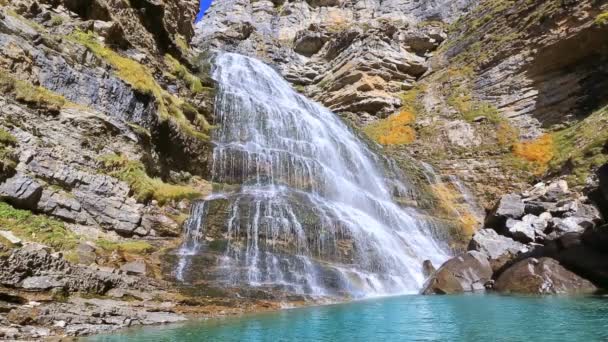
(546,240)
(35,268)
(355,56)
(542,276)
(500,249)
(468,272)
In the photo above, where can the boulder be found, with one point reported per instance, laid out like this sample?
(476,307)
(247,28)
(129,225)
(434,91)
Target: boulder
(41,283)
(567,225)
(86,254)
(529,229)
(21,191)
(510,206)
(556,191)
(137,267)
(500,249)
(541,276)
(583,254)
(597,238)
(427,268)
(467,272)
(309,42)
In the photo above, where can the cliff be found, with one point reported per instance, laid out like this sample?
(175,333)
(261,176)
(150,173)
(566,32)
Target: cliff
(495,110)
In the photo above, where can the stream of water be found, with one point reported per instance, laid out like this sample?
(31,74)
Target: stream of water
(307,206)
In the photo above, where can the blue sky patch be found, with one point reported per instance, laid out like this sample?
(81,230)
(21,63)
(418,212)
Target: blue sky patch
(204,6)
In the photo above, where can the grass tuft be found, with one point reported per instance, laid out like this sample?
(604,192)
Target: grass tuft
(37,228)
(144,187)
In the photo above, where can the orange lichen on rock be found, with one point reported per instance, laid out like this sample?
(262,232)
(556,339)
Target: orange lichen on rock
(394,130)
(451,204)
(539,151)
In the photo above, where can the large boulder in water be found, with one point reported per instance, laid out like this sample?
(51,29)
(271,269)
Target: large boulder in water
(541,276)
(467,272)
(500,249)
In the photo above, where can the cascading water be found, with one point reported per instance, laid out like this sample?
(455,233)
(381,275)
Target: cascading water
(301,204)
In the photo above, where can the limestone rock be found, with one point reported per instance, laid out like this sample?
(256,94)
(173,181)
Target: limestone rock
(462,134)
(541,276)
(22,191)
(137,267)
(500,249)
(510,206)
(465,273)
(10,237)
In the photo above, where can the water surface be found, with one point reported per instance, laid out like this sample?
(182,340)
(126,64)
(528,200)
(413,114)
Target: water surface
(406,318)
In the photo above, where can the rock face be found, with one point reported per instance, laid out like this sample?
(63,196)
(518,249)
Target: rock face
(500,249)
(354,55)
(542,276)
(467,272)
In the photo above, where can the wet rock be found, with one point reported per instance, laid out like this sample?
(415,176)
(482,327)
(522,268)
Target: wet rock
(500,249)
(427,268)
(541,276)
(465,273)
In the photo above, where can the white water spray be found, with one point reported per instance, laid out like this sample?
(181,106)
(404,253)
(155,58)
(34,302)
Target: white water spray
(312,211)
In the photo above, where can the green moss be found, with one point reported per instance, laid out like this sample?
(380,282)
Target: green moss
(29,94)
(181,72)
(37,228)
(144,187)
(56,20)
(127,69)
(8,157)
(181,43)
(602,19)
(131,247)
(27,22)
(581,148)
(140,78)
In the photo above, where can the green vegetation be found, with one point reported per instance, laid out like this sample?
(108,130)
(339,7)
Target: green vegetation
(56,20)
(37,228)
(33,96)
(140,78)
(8,158)
(602,19)
(181,43)
(144,187)
(582,147)
(181,72)
(132,247)
(127,69)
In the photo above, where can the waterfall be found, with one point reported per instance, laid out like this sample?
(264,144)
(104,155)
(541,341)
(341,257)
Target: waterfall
(300,203)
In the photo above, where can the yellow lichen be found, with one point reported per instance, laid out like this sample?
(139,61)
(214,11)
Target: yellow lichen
(394,130)
(539,151)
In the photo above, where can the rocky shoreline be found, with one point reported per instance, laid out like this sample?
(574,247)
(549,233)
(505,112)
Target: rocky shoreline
(546,240)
